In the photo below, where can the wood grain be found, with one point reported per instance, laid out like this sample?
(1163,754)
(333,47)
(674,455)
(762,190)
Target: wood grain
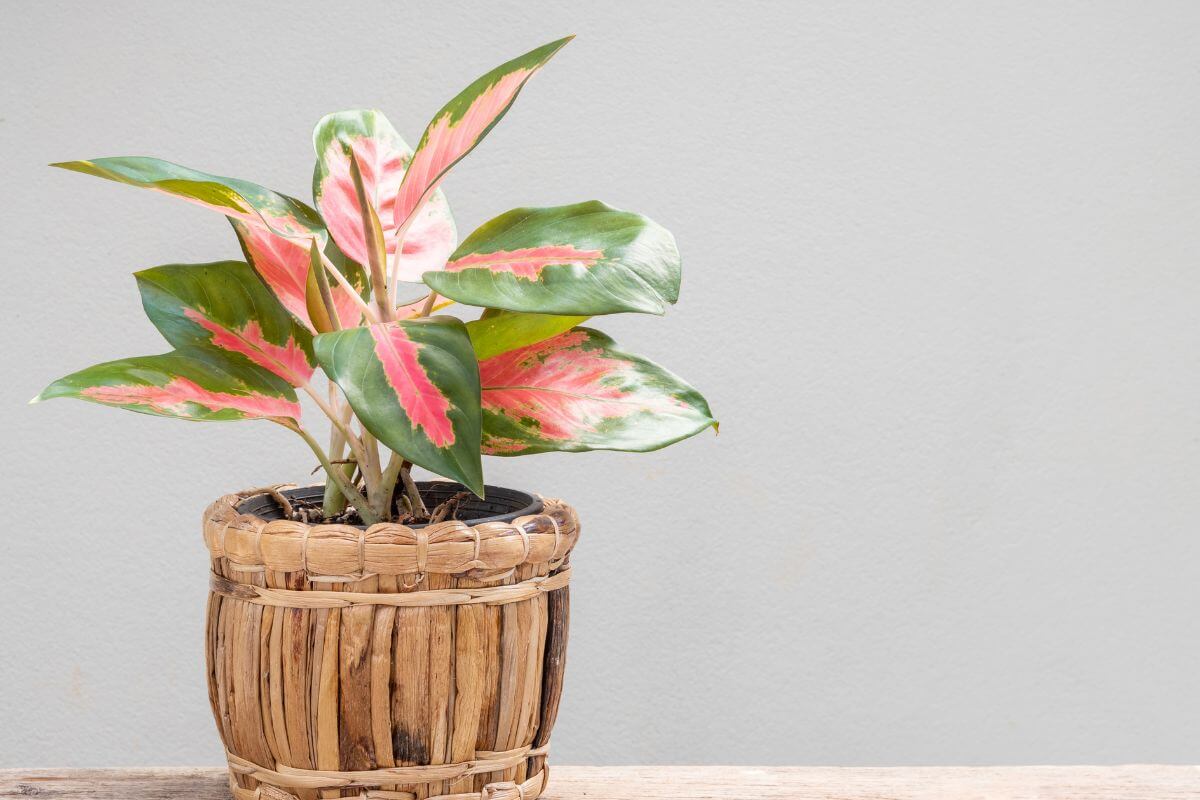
(693,783)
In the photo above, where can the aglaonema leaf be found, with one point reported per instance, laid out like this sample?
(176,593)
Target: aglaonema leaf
(414,384)
(460,125)
(581,259)
(192,383)
(235,198)
(578,392)
(283,264)
(224,305)
(501,331)
(274,229)
(382,157)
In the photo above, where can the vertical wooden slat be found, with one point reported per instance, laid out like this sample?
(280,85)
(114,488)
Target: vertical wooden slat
(218,680)
(266,623)
(249,736)
(356,749)
(441,683)
(530,683)
(382,657)
(410,687)
(517,628)
(558,619)
(326,706)
(298,649)
(490,702)
(470,670)
(275,669)
(230,614)
(211,631)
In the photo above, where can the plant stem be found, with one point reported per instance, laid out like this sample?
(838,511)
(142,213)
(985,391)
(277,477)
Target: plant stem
(411,491)
(371,472)
(334,502)
(349,287)
(356,446)
(428,307)
(335,475)
(390,476)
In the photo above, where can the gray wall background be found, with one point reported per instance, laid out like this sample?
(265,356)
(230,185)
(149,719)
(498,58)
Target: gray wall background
(941,289)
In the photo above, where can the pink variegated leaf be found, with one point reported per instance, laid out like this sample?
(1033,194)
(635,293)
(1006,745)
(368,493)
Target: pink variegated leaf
(414,384)
(458,127)
(576,392)
(274,229)
(382,158)
(237,199)
(581,259)
(283,264)
(193,383)
(224,305)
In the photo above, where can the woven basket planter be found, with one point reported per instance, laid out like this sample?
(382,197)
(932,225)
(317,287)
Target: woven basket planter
(389,662)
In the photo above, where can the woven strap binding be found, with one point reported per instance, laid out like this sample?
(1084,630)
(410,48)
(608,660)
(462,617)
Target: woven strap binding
(487,595)
(501,790)
(295,778)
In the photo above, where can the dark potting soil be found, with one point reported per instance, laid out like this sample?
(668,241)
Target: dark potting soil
(445,500)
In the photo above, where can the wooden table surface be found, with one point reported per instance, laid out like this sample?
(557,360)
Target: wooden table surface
(693,783)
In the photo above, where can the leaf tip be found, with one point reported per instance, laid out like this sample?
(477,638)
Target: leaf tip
(47,394)
(552,48)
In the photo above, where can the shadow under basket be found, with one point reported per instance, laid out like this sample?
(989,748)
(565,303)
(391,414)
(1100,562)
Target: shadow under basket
(388,662)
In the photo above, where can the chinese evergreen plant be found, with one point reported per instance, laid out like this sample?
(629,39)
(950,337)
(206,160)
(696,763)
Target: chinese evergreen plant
(332,288)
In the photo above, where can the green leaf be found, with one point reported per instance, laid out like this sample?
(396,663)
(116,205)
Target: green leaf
(414,384)
(224,305)
(274,230)
(578,392)
(582,259)
(193,383)
(498,331)
(241,200)
(461,125)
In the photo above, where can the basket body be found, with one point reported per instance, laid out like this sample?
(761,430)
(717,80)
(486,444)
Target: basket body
(389,662)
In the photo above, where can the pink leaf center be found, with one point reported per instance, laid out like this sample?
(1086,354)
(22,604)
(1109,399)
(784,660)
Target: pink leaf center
(429,240)
(556,384)
(424,404)
(288,361)
(174,397)
(283,264)
(528,262)
(445,142)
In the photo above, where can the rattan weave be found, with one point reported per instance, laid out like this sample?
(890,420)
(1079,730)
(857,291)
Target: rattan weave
(437,675)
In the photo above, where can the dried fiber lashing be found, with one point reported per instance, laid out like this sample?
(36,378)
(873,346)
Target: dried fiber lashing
(388,662)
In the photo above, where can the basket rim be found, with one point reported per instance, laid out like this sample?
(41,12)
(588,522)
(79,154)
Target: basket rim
(245,544)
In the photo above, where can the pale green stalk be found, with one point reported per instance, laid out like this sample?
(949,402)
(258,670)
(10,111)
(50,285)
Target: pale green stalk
(336,475)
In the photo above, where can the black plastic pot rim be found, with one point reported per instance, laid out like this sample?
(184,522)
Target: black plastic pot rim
(501,504)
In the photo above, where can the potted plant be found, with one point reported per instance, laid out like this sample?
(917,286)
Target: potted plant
(380,636)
